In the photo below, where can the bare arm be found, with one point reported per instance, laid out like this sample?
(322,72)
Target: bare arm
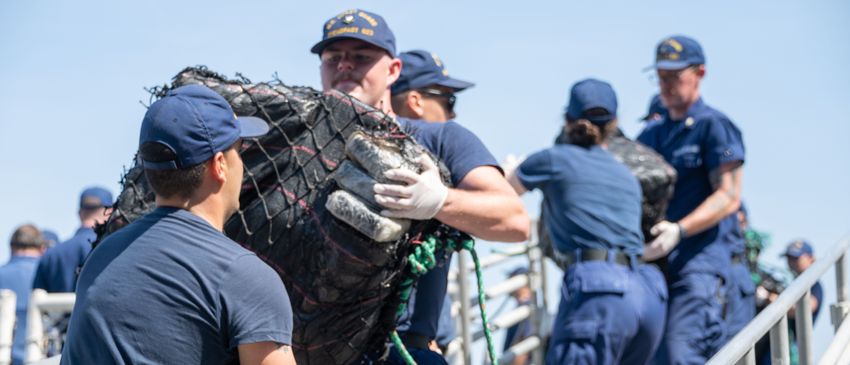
(725,200)
(484,205)
(266,353)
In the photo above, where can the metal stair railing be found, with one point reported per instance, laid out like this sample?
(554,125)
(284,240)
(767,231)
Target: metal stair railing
(774,319)
(535,279)
(7,325)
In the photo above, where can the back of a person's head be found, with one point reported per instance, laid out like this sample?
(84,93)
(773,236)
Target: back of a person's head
(27,236)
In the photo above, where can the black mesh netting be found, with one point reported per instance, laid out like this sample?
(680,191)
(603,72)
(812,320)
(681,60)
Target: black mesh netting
(656,177)
(343,285)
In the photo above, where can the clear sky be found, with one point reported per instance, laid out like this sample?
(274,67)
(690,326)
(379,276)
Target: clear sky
(74,74)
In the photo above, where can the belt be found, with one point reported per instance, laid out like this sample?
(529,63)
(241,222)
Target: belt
(414,340)
(598,254)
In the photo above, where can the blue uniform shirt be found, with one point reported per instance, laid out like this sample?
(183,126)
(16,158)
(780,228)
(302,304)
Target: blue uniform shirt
(170,289)
(461,151)
(57,270)
(17,276)
(695,146)
(592,200)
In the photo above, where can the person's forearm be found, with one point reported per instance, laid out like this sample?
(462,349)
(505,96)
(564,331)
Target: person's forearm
(493,217)
(725,200)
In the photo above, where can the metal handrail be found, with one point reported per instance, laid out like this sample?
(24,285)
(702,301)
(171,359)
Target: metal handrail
(774,317)
(532,311)
(7,325)
(41,302)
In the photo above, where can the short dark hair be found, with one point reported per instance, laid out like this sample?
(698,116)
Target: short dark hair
(27,236)
(180,183)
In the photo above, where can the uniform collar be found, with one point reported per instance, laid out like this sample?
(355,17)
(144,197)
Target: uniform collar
(84,230)
(23,258)
(690,120)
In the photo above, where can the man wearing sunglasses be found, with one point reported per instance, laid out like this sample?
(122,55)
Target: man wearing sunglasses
(424,89)
(707,151)
(357,53)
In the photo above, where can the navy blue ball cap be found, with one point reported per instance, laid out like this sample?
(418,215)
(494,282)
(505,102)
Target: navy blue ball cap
(95,197)
(357,24)
(522,270)
(655,107)
(678,52)
(798,248)
(422,68)
(189,126)
(591,94)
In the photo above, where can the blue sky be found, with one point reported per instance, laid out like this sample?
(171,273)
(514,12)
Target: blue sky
(74,74)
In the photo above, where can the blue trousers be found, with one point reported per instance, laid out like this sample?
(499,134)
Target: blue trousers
(741,300)
(609,314)
(695,328)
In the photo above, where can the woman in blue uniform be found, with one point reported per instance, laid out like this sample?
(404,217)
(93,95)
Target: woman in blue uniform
(612,306)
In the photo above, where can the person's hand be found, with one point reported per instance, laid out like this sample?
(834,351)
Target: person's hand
(421,197)
(667,236)
(511,162)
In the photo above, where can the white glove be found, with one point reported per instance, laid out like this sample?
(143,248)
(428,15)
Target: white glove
(667,236)
(422,196)
(511,162)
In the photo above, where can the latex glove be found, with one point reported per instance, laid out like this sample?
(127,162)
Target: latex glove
(511,162)
(667,236)
(420,197)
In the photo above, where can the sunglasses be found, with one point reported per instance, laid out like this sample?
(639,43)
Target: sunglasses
(448,95)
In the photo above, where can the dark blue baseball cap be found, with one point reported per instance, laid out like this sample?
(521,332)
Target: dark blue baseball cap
(655,107)
(50,237)
(95,197)
(798,248)
(522,270)
(590,94)
(422,68)
(678,52)
(357,24)
(189,126)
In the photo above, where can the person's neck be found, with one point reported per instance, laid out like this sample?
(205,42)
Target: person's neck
(681,112)
(209,209)
(27,252)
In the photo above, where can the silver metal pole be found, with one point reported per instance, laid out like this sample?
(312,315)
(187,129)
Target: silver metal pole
(779,342)
(748,359)
(803,324)
(464,309)
(841,278)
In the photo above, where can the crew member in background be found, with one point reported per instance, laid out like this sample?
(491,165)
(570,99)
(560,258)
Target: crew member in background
(707,151)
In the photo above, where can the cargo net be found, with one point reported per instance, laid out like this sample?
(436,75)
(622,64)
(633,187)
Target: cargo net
(307,209)
(656,177)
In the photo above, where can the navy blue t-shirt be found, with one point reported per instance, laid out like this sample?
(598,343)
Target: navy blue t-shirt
(461,151)
(700,143)
(17,276)
(171,289)
(590,199)
(57,270)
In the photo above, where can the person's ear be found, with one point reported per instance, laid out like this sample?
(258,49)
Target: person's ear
(393,71)
(415,104)
(217,168)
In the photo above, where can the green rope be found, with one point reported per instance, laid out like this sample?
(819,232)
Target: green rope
(401,348)
(420,262)
(469,245)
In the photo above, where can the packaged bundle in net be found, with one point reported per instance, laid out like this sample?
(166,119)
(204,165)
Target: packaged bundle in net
(307,209)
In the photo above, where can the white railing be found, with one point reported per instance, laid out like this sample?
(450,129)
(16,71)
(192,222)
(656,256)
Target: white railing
(7,325)
(41,303)
(467,309)
(774,319)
